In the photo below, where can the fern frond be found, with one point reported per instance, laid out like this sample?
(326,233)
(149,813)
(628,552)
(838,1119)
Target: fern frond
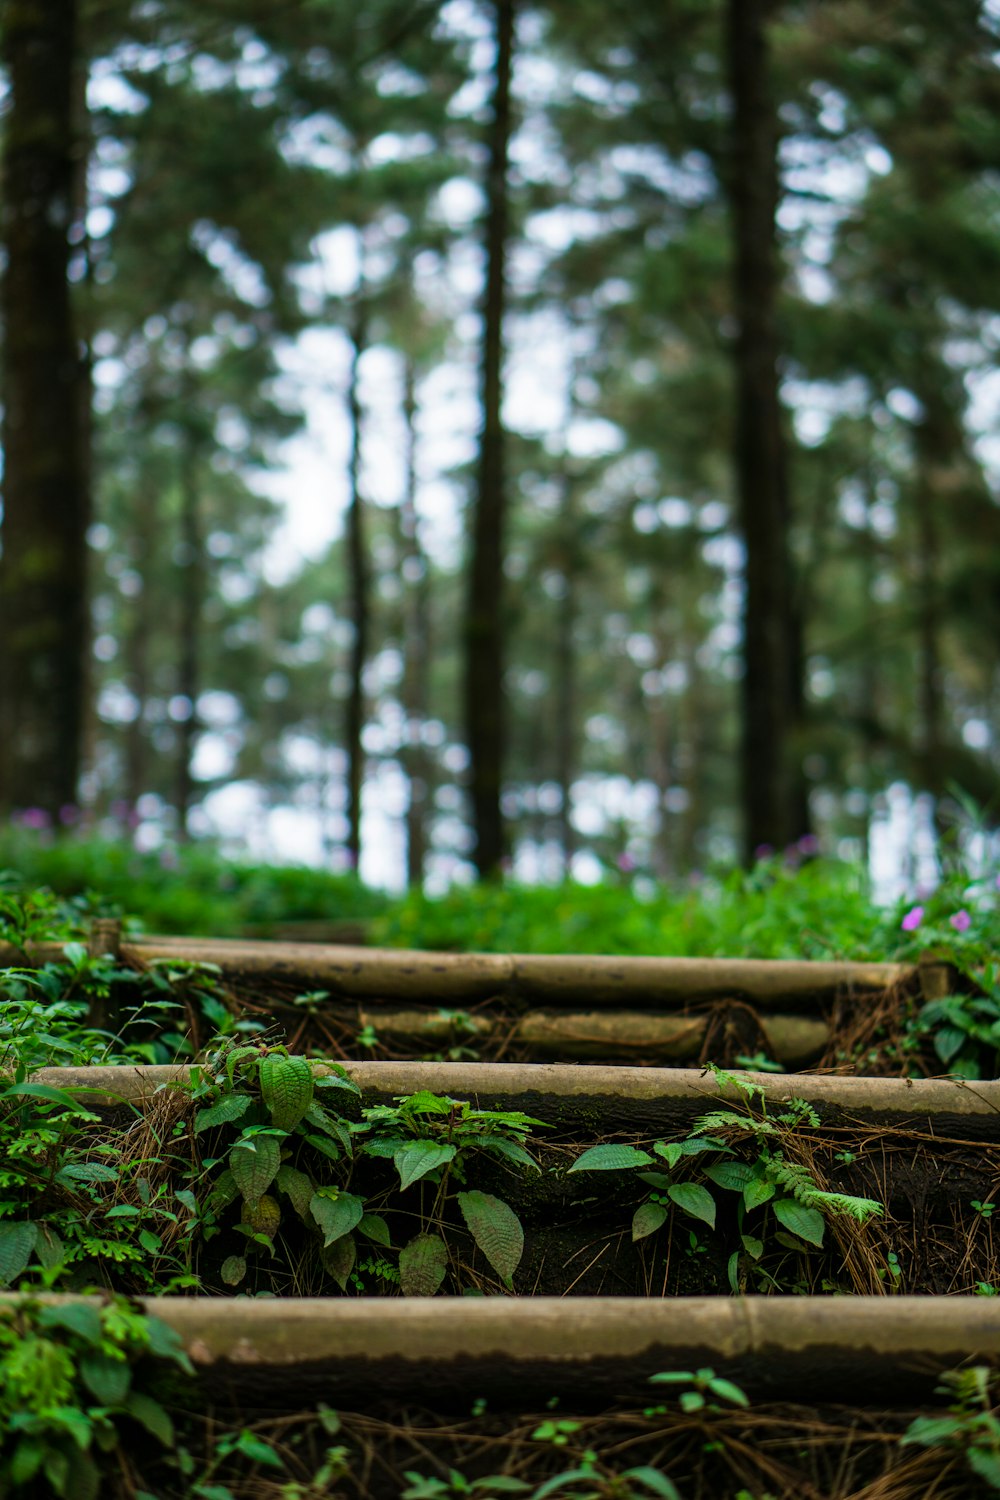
(728,1119)
(796,1179)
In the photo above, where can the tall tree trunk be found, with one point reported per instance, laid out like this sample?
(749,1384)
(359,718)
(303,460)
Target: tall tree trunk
(485,708)
(43,589)
(190,642)
(772,796)
(566,685)
(358,584)
(137,654)
(416,648)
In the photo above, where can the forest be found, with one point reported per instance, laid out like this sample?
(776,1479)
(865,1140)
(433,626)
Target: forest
(445,437)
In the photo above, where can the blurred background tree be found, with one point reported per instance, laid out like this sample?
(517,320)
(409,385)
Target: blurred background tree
(627,376)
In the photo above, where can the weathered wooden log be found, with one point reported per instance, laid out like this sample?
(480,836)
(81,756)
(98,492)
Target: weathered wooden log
(465,978)
(644,1036)
(284,1354)
(618,1098)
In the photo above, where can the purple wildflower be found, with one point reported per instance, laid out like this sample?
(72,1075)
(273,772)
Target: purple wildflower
(69,814)
(808,845)
(625,862)
(35,817)
(763,851)
(961,921)
(913,919)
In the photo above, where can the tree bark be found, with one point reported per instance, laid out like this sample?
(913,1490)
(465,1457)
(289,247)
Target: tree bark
(416,649)
(192,596)
(566,685)
(358,583)
(485,707)
(772,796)
(43,570)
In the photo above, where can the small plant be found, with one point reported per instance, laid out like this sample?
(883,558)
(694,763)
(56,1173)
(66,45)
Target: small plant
(781,1188)
(701,1385)
(69,1383)
(972,1427)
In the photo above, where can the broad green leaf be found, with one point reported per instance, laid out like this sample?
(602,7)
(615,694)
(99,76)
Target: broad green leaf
(731,1175)
(611,1159)
(984,1463)
(499,1145)
(298,1187)
(423,1102)
(254,1165)
(338,1259)
(335,1212)
(17,1242)
(233,1269)
(49,1248)
(375,1228)
(647,1219)
(81,1318)
(658,1180)
(727,1391)
(694,1200)
(670,1151)
(807,1223)
(86,1171)
(929,1431)
(948,1043)
(752,1245)
(40,1091)
(756,1192)
(286,1086)
(416,1159)
(108,1380)
(152,1416)
(496,1229)
(230,1107)
(422,1265)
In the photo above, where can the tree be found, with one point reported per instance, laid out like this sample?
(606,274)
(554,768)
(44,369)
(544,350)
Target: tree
(774,810)
(484,701)
(43,570)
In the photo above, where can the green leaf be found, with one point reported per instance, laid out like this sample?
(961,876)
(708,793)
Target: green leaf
(152,1416)
(230,1107)
(86,1171)
(418,1158)
(375,1228)
(558,1481)
(254,1165)
(233,1269)
(807,1223)
(422,1265)
(325,1147)
(49,1248)
(338,1259)
(611,1159)
(496,1229)
(670,1151)
(27,1460)
(726,1391)
(40,1091)
(108,1380)
(647,1219)
(81,1318)
(929,1431)
(256,1449)
(17,1241)
(499,1145)
(984,1463)
(948,1043)
(756,1192)
(335,1212)
(654,1481)
(752,1245)
(731,1175)
(298,1187)
(694,1200)
(286,1085)
(658,1180)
